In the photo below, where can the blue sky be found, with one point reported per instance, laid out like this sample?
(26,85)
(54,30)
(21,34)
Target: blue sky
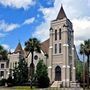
(22,19)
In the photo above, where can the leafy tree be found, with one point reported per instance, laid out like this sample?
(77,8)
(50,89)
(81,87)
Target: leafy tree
(20,72)
(2,82)
(42,75)
(33,44)
(79,70)
(3,53)
(85,49)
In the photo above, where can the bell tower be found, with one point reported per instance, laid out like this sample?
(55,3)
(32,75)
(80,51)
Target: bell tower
(61,65)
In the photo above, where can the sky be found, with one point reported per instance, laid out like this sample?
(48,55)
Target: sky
(24,19)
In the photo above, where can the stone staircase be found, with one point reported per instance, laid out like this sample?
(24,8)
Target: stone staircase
(56,84)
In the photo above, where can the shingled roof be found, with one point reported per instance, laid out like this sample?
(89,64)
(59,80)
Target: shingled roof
(61,14)
(18,48)
(45,46)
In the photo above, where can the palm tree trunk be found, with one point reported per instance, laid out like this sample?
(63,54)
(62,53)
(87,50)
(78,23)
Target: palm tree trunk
(32,68)
(88,71)
(83,72)
(32,56)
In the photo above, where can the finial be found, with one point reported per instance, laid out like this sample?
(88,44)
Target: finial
(19,40)
(61,5)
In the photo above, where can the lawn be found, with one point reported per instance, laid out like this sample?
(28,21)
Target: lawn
(28,88)
(23,88)
(17,88)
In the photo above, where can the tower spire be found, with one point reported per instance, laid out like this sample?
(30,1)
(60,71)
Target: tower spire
(61,14)
(18,48)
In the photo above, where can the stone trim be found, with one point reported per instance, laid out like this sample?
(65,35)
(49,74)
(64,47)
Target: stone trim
(65,45)
(50,47)
(72,48)
(67,80)
(74,68)
(68,66)
(49,67)
(63,80)
(64,66)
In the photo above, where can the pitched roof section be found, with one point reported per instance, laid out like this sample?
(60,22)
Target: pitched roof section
(45,46)
(61,14)
(18,48)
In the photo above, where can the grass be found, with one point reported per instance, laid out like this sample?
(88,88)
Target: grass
(23,88)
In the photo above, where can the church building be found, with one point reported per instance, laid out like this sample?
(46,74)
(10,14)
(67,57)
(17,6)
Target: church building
(60,49)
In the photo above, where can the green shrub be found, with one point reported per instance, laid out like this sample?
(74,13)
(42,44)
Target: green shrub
(42,75)
(2,82)
(10,81)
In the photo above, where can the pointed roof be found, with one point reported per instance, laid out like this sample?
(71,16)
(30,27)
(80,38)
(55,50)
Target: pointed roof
(45,46)
(18,48)
(61,14)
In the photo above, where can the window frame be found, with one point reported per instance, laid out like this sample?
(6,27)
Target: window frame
(55,34)
(60,34)
(2,65)
(55,48)
(1,74)
(60,48)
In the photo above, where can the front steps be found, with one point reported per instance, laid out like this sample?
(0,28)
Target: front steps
(60,84)
(56,84)
(74,84)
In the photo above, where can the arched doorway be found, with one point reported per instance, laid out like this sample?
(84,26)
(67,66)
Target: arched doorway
(57,73)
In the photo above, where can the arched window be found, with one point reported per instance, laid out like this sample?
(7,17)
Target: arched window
(57,73)
(55,34)
(59,34)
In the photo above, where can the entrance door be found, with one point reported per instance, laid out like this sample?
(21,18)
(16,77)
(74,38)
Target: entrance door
(57,73)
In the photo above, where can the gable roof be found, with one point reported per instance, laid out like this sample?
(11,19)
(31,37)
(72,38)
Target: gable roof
(61,14)
(45,46)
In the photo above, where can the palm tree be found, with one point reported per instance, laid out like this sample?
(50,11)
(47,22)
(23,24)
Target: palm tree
(33,44)
(85,50)
(3,53)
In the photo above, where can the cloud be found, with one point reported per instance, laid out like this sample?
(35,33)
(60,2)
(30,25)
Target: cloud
(81,28)
(29,21)
(6,46)
(25,4)
(88,2)
(73,9)
(7,27)
(2,35)
(69,7)
(50,14)
(12,50)
(42,32)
